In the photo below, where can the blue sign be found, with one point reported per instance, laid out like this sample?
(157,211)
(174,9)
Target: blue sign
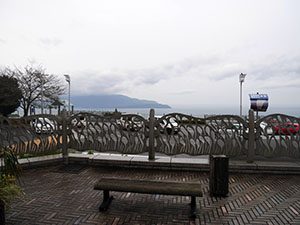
(259,102)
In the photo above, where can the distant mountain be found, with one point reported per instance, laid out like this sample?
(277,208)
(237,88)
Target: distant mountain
(113,101)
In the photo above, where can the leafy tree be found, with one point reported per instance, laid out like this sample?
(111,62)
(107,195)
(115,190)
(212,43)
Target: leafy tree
(36,85)
(10,93)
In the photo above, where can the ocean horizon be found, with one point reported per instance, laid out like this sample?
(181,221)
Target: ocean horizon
(196,111)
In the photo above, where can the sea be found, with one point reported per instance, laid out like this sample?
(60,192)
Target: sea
(196,111)
(193,111)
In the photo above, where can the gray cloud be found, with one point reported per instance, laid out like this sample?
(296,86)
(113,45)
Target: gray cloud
(186,92)
(262,69)
(50,41)
(221,72)
(288,67)
(197,65)
(212,68)
(95,82)
(289,84)
(2,41)
(99,82)
(121,80)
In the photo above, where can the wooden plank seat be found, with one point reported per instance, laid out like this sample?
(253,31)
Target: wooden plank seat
(147,187)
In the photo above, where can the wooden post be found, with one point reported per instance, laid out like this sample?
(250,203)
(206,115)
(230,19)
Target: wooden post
(151,135)
(251,139)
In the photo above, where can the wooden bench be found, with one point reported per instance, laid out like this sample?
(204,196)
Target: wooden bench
(147,187)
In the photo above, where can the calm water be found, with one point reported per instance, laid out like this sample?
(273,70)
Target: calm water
(200,112)
(194,111)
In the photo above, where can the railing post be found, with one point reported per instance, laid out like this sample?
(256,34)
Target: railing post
(151,155)
(64,139)
(251,138)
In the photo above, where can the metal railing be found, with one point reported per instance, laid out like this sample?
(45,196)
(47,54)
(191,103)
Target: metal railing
(32,135)
(272,137)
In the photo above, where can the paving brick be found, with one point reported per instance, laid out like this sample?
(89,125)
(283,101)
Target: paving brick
(56,195)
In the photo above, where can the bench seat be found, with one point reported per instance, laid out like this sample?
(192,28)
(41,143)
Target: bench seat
(147,187)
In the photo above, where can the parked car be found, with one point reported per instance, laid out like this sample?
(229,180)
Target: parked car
(79,123)
(43,125)
(130,123)
(266,129)
(287,128)
(168,125)
(230,128)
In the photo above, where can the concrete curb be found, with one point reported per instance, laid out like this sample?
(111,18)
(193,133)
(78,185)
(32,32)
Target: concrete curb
(162,162)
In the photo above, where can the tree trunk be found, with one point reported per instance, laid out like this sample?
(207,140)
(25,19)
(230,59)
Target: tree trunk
(26,110)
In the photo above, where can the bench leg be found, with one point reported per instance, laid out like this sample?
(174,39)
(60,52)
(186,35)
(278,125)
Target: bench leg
(193,207)
(106,201)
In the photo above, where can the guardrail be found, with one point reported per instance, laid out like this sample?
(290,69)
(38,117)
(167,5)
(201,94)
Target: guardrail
(275,136)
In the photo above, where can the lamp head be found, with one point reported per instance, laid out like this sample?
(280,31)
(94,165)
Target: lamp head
(68,79)
(242,77)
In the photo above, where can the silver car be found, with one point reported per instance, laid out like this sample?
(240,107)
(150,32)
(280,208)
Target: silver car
(43,125)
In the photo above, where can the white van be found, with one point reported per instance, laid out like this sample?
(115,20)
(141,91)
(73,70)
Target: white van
(168,124)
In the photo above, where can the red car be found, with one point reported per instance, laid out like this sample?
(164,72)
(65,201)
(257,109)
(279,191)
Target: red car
(287,128)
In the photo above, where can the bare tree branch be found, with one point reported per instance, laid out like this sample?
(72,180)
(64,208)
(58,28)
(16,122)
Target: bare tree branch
(36,83)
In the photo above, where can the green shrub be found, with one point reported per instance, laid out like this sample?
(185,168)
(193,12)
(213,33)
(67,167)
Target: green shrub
(9,175)
(9,189)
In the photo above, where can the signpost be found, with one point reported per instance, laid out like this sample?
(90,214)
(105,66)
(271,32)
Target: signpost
(259,102)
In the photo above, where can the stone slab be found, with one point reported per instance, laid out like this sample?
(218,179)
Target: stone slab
(278,166)
(143,162)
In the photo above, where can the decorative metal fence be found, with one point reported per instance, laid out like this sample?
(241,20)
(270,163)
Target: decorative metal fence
(273,136)
(183,134)
(278,136)
(231,137)
(123,134)
(32,135)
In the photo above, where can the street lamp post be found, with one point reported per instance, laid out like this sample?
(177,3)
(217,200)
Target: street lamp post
(242,79)
(42,95)
(42,99)
(68,79)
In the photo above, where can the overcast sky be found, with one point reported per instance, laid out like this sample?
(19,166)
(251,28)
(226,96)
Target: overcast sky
(178,52)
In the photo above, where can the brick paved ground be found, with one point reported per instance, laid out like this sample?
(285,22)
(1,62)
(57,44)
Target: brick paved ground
(55,196)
